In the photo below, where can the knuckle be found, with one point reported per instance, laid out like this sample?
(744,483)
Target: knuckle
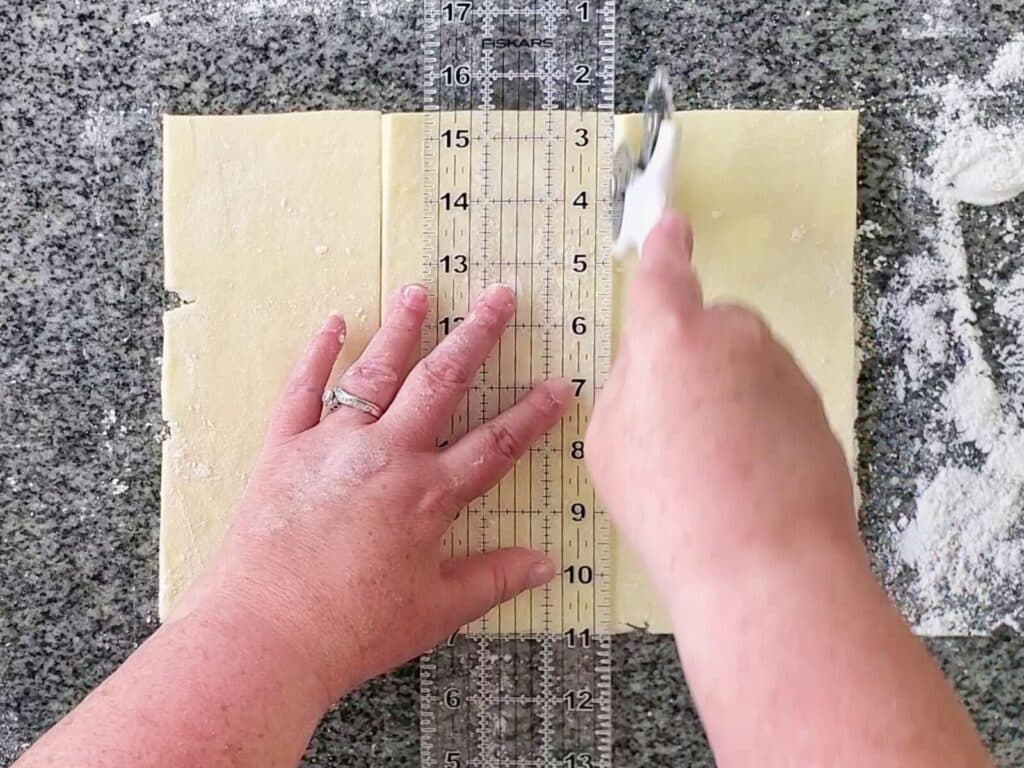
(373,373)
(442,498)
(301,386)
(359,459)
(687,236)
(544,403)
(500,584)
(446,371)
(695,290)
(488,319)
(746,326)
(673,324)
(503,442)
(404,320)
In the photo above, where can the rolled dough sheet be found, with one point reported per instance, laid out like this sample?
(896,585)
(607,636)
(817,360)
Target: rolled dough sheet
(773,201)
(772,196)
(270,223)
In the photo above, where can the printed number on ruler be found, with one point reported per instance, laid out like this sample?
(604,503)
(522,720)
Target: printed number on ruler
(518,99)
(518,199)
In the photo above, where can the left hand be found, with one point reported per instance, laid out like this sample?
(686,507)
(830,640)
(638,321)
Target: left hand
(336,545)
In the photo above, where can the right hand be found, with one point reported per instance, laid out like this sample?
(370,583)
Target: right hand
(708,444)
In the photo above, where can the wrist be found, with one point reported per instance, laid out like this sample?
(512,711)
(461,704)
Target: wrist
(227,621)
(301,618)
(765,578)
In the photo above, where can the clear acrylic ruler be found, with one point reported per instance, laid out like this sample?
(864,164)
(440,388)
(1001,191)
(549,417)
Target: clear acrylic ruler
(518,102)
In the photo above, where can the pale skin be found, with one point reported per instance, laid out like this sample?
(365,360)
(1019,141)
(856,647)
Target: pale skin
(331,572)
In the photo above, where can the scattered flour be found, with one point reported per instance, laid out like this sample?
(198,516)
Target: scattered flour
(109,420)
(869,230)
(1009,305)
(981,166)
(965,540)
(258,9)
(931,19)
(154,19)
(201,470)
(101,127)
(107,424)
(927,350)
(1008,68)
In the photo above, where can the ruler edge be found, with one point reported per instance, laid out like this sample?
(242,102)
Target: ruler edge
(602,651)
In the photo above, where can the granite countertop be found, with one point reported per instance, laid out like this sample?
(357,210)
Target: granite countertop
(82,87)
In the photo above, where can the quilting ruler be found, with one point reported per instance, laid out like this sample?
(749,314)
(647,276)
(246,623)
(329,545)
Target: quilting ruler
(518,103)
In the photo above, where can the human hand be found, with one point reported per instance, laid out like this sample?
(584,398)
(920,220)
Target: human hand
(709,446)
(336,545)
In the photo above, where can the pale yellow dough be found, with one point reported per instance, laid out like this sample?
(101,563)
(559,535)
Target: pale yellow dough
(273,221)
(270,223)
(773,201)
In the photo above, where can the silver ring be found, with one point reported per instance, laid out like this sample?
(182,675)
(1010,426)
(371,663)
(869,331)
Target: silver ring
(335,397)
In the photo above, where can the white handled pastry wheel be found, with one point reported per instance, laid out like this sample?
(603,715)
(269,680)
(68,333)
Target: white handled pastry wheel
(642,185)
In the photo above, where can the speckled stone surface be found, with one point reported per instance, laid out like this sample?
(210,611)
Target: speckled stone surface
(82,86)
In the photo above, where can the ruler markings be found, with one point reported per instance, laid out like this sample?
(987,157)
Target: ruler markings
(485,659)
(530,336)
(562,426)
(429,707)
(552,348)
(501,342)
(547,683)
(473,672)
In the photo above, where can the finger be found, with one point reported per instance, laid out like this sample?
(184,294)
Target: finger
(742,323)
(477,583)
(436,385)
(383,365)
(485,455)
(301,402)
(672,235)
(664,279)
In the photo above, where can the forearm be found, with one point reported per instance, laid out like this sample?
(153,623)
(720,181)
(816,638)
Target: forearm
(212,689)
(804,661)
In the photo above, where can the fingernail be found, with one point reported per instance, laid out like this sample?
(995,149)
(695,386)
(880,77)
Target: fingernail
(672,225)
(541,572)
(335,323)
(414,296)
(670,229)
(500,297)
(671,237)
(561,390)
(556,393)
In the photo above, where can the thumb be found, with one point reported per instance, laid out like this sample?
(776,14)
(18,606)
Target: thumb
(479,582)
(664,279)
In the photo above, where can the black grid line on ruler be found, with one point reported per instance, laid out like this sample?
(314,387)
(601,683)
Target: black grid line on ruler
(545,651)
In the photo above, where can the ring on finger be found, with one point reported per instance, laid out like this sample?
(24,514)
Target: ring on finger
(336,397)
